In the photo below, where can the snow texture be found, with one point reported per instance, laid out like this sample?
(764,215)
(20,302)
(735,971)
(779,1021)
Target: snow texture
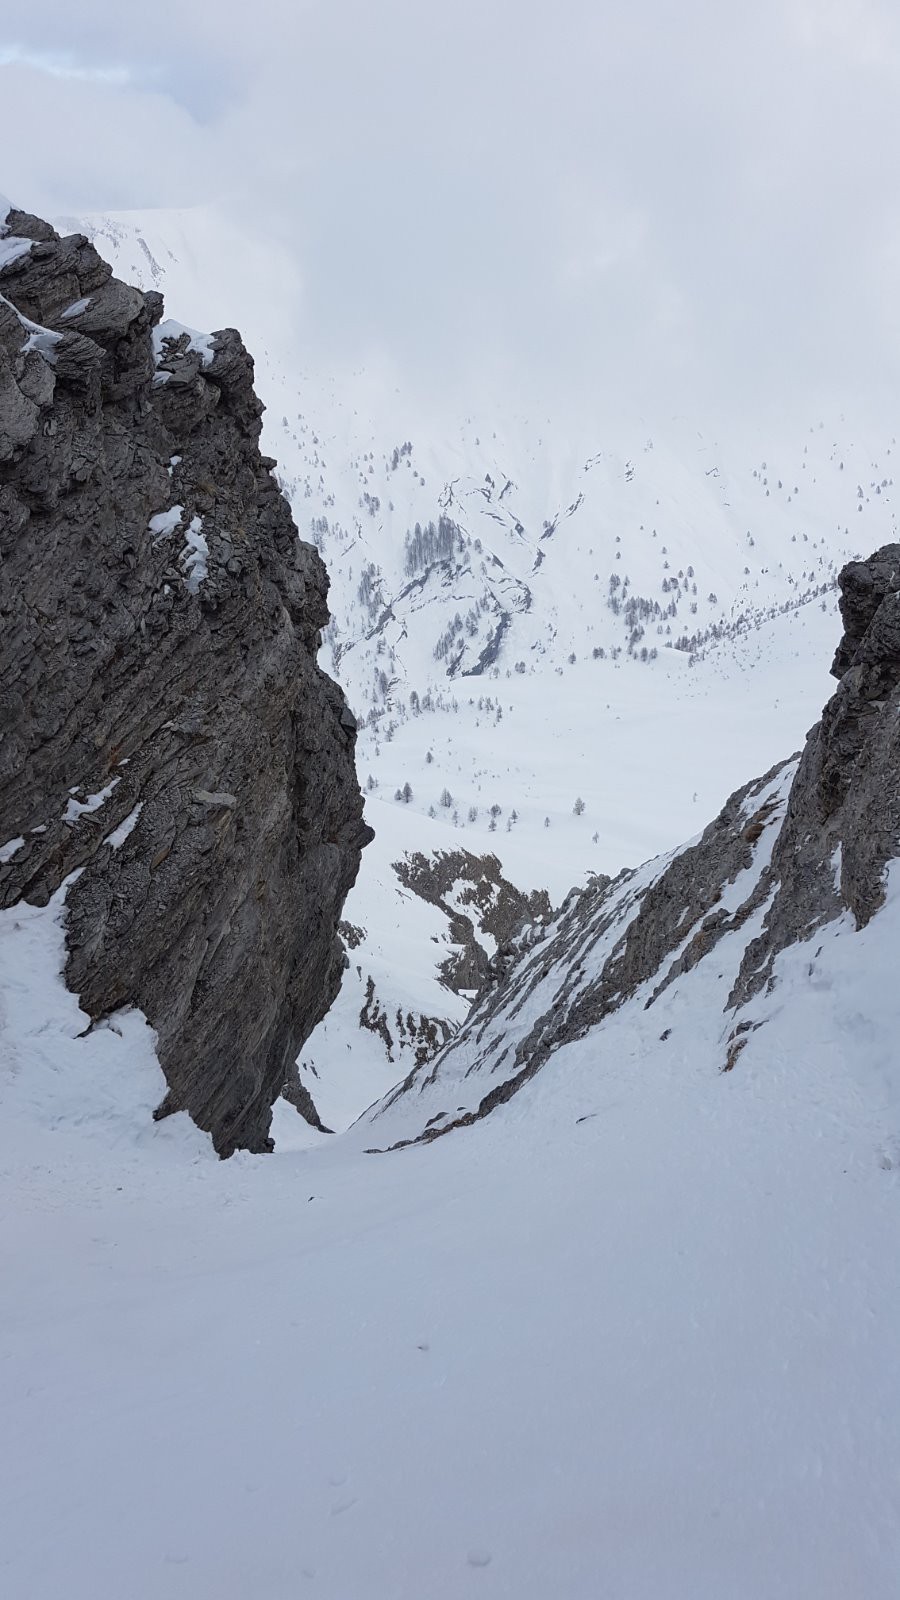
(11,248)
(195,555)
(118,836)
(201,343)
(43,340)
(669,1296)
(76,809)
(165,522)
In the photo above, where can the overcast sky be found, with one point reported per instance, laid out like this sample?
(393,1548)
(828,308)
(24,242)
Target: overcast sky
(697,199)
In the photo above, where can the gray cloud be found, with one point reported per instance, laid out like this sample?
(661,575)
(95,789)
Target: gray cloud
(650,201)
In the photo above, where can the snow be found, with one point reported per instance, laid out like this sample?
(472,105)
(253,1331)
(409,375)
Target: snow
(8,850)
(118,836)
(12,249)
(77,307)
(70,1095)
(635,1334)
(43,340)
(165,522)
(82,808)
(195,555)
(200,343)
(346,1067)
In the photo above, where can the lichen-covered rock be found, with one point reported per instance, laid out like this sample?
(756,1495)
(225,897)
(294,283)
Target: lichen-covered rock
(165,731)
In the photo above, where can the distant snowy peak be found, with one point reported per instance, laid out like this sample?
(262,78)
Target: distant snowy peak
(506,543)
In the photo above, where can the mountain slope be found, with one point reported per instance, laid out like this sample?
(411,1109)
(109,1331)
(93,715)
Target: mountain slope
(633,1332)
(495,656)
(795,864)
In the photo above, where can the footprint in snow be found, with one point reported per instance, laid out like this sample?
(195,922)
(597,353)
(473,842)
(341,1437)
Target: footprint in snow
(479,1558)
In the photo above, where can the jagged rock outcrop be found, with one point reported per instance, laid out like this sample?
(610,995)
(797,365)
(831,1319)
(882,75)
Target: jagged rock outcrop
(843,818)
(166,732)
(807,844)
(482,908)
(444,925)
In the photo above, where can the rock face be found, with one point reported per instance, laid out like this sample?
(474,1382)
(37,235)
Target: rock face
(843,818)
(477,900)
(807,844)
(166,732)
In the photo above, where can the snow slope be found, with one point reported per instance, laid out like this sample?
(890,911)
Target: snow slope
(402,940)
(634,1334)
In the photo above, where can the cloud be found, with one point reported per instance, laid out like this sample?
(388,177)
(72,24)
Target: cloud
(670,202)
(86,140)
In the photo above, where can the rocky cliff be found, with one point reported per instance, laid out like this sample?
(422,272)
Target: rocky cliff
(842,826)
(802,848)
(170,749)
